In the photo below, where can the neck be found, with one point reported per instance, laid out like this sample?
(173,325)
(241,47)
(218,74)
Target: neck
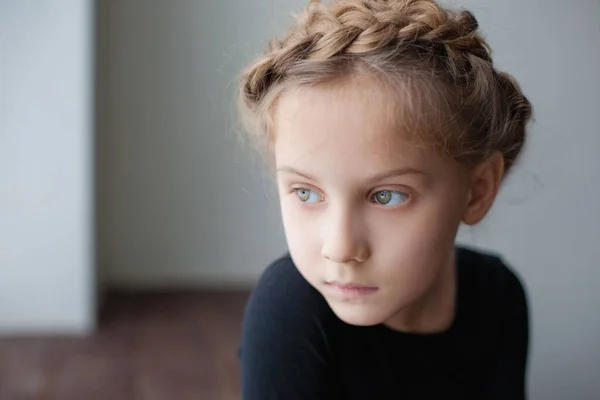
(434,311)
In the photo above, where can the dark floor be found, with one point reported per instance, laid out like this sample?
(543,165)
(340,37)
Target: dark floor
(148,347)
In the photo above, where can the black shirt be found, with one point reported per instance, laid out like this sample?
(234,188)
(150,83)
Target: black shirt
(294,347)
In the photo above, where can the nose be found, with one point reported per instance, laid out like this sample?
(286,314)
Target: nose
(344,238)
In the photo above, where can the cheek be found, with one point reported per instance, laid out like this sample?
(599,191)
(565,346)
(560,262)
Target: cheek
(301,231)
(415,245)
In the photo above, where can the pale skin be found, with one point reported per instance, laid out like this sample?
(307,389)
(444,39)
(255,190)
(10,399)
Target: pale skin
(362,206)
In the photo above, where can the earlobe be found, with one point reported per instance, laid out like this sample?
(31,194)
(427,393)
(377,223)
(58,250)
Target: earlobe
(485,182)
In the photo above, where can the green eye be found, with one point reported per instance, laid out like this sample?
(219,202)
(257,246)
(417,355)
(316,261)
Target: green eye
(308,196)
(390,198)
(383,197)
(303,194)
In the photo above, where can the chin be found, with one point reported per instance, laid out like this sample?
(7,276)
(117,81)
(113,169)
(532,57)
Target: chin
(357,314)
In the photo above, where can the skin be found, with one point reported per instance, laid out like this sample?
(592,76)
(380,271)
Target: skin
(362,205)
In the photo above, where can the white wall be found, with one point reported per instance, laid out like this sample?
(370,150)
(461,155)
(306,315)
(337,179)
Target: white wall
(46,250)
(185,207)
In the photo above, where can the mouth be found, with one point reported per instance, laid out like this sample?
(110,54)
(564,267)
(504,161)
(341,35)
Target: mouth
(350,290)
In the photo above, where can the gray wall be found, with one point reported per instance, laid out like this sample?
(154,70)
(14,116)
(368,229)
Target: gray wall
(547,218)
(46,156)
(185,206)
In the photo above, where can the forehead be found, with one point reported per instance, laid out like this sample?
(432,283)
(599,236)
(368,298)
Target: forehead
(347,127)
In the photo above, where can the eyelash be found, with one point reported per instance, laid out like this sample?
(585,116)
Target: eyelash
(409,196)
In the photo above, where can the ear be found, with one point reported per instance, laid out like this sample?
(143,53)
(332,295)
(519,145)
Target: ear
(485,180)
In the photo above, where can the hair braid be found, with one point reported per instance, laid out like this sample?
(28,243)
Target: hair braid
(443,41)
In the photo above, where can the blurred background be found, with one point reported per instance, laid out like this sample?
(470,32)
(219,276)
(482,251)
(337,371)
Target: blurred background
(133,224)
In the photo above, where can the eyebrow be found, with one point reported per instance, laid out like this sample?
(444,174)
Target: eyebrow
(374,178)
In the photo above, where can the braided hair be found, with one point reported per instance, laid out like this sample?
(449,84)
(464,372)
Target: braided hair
(432,56)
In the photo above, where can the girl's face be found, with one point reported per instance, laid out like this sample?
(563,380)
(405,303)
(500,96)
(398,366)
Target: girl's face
(370,219)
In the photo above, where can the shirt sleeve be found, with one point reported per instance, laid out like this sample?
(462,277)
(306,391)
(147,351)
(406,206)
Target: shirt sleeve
(507,378)
(284,351)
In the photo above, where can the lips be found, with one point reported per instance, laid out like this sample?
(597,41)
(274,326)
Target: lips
(351,289)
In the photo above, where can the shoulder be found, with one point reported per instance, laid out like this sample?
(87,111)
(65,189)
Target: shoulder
(489,270)
(283,305)
(497,301)
(281,289)
(286,337)
(491,281)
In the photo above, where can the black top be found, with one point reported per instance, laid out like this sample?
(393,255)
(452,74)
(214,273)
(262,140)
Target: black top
(294,347)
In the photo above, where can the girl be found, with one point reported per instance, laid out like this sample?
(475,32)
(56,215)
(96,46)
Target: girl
(386,125)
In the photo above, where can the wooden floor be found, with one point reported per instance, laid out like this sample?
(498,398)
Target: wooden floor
(148,347)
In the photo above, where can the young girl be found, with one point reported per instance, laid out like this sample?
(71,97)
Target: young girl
(387,126)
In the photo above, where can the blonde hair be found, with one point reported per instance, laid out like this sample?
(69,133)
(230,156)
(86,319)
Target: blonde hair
(432,57)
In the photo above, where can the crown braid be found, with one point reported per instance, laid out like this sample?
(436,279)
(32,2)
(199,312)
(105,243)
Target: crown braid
(359,27)
(446,40)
